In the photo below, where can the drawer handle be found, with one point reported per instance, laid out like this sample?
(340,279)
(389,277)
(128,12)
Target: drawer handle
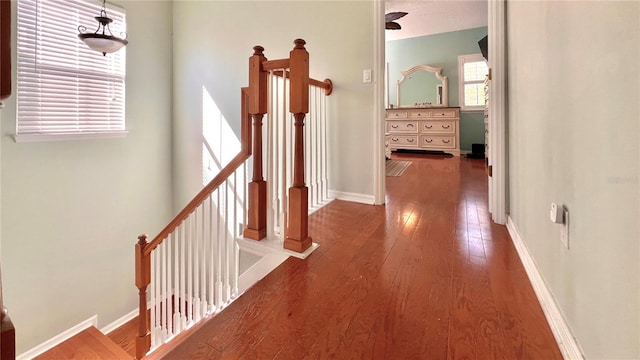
(446,141)
(394,139)
(397,114)
(428,126)
(428,140)
(409,140)
(446,126)
(394,126)
(442,114)
(409,125)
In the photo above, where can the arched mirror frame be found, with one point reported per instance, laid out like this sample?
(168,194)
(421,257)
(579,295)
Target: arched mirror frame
(439,76)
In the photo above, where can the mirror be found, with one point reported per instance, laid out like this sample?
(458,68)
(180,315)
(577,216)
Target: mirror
(422,86)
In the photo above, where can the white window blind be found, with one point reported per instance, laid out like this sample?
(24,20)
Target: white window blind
(65,88)
(472,70)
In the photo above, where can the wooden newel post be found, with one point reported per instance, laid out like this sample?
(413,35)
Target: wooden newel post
(298,228)
(257,213)
(143,279)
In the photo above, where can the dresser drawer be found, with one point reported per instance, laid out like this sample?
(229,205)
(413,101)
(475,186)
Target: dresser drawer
(402,126)
(397,114)
(438,127)
(403,140)
(419,114)
(438,141)
(443,113)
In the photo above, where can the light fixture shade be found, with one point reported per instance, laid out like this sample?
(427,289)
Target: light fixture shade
(103,43)
(102,39)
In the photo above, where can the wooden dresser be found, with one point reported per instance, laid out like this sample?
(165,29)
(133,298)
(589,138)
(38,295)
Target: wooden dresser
(436,129)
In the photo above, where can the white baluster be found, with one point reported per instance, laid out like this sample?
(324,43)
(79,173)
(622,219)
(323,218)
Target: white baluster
(183,274)
(227,242)
(212,262)
(234,226)
(196,266)
(271,154)
(162,250)
(307,152)
(325,159)
(203,261)
(318,148)
(176,281)
(218,253)
(189,236)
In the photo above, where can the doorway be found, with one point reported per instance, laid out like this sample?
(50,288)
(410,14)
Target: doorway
(497,109)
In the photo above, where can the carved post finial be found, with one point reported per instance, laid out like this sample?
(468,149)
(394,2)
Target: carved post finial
(299,44)
(257,50)
(142,239)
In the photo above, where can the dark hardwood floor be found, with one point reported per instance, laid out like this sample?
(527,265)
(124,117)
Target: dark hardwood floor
(428,276)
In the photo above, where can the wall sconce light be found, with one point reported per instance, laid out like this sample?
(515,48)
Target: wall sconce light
(102,41)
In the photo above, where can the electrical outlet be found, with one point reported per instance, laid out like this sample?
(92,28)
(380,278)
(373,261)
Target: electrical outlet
(564,233)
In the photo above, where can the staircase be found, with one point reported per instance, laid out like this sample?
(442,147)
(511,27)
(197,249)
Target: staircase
(190,271)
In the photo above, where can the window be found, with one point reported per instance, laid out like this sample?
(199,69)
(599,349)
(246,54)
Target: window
(66,90)
(472,70)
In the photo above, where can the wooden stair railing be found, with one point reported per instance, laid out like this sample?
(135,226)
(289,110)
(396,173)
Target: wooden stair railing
(178,306)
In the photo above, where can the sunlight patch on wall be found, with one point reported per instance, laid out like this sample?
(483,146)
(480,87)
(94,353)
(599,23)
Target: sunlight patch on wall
(219,143)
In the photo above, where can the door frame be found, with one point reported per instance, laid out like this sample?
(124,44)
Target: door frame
(496,22)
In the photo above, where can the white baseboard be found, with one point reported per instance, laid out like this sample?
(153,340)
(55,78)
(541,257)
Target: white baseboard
(58,339)
(566,341)
(121,321)
(353,197)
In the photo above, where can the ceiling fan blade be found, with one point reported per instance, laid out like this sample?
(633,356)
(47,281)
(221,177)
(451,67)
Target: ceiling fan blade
(392,26)
(394,16)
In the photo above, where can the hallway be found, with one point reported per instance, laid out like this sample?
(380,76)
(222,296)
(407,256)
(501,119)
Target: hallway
(427,276)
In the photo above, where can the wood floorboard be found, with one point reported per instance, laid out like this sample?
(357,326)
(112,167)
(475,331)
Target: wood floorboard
(428,276)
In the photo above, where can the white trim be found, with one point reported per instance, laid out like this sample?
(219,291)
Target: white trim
(497,111)
(120,321)
(271,246)
(259,270)
(378,104)
(63,137)
(567,343)
(353,197)
(58,339)
(462,59)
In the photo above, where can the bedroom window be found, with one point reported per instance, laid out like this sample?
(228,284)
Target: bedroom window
(472,70)
(64,89)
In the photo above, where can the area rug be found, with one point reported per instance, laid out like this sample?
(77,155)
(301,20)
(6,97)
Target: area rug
(396,167)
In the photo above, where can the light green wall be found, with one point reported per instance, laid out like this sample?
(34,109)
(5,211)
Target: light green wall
(71,210)
(213,41)
(440,50)
(574,122)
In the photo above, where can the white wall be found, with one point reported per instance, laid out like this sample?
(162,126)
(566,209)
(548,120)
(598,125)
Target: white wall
(213,42)
(71,211)
(574,114)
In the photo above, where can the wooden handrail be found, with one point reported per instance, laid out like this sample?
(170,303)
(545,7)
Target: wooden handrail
(275,64)
(239,159)
(326,84)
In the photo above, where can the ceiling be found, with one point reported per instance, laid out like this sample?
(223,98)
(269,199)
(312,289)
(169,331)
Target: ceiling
(434,17)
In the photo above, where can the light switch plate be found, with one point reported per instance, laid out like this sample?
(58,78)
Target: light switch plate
(366,75)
